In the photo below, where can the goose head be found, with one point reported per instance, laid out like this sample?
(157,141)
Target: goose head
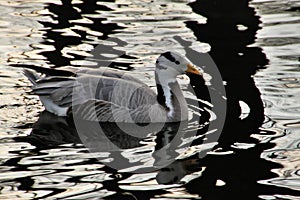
(171,64)
(168,66)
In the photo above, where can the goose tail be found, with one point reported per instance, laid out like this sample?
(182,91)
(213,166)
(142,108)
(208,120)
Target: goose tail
(31,75)
(48,103)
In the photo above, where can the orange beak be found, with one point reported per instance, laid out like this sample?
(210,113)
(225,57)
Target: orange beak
(192,69)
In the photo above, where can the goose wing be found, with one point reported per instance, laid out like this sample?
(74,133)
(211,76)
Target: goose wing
(99,110)
(67,91)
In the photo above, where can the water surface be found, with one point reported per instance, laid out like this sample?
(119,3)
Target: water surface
(256,48)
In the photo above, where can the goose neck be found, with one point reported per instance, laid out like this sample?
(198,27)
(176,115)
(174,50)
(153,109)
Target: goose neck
(169,95)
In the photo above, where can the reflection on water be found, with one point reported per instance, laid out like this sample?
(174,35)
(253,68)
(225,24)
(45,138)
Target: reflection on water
(256,154)
(157,146)
(237,62)
(279,85)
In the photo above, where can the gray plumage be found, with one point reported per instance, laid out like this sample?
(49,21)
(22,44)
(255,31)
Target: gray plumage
(112,96)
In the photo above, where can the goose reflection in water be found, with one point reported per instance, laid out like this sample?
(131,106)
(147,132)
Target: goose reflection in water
(157,146)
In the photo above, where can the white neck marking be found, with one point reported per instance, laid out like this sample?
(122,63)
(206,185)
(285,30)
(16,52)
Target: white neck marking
(168,97)
(165,77)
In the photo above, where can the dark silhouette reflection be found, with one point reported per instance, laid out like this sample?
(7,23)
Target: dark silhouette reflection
(71,27)
(231,26)
(118,139)
(51,130)
(236,62)
(239,173)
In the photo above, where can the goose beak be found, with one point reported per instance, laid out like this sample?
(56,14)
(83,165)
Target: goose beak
(192,69)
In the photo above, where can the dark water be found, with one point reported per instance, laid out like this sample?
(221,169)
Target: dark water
(256,48)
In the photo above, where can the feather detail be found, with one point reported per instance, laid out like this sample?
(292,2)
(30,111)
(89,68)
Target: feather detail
(113,96)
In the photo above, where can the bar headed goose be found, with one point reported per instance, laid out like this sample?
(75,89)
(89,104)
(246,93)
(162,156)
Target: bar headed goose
(108,95)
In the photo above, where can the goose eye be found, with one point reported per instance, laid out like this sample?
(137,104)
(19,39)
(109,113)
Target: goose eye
(177,62)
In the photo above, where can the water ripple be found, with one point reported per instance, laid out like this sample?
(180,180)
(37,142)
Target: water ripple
(49,161)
